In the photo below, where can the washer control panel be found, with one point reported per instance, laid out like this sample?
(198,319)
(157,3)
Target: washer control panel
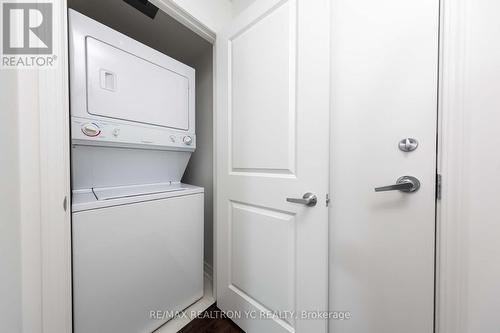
(90,131)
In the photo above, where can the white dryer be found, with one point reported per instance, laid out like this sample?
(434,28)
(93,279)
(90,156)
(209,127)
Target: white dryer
(137,230)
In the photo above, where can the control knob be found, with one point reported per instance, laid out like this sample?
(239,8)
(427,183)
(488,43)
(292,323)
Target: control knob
(91,129)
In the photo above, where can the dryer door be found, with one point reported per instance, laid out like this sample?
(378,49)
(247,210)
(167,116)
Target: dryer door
(123,86)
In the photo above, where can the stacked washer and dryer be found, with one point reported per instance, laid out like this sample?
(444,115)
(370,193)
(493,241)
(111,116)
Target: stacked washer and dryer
(137,230)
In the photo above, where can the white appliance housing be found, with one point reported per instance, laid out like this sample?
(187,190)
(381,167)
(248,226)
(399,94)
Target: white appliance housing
(137,231)
(126,94)
(136,250)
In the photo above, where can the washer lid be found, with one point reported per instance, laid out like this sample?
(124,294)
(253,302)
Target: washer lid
(95,198)
(108,193)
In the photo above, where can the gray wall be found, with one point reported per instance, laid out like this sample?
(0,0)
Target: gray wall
(200,168)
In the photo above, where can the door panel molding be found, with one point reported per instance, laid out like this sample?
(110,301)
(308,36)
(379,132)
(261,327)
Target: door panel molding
(251,225)
(246,133)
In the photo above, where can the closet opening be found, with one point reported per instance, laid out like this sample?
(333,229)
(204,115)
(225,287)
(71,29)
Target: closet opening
(110,169)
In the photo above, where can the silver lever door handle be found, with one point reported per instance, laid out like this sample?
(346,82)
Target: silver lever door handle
(308,199)
(407,184)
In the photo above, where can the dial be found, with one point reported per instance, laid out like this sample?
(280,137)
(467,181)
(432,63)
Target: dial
(188,140)
(91,129)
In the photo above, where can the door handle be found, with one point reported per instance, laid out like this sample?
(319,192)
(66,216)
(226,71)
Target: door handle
(308,199)
(407,184)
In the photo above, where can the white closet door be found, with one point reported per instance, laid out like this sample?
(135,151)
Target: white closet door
(272,137)
(384,75)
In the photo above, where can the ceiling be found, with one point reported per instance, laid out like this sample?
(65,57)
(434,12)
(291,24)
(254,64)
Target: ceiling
(162,33)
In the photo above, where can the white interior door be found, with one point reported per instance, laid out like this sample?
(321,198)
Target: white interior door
(272,137)
(385,71)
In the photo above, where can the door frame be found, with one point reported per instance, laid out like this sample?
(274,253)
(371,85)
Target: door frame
(54,232)
(52,265)
(450,223)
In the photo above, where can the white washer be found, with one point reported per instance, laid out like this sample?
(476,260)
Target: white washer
(137,250)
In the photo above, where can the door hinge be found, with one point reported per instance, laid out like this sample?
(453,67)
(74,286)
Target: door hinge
(438,186)
(327,199)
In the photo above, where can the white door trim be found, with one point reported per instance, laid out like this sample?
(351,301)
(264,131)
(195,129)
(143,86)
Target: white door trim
(54,173)
(450,223)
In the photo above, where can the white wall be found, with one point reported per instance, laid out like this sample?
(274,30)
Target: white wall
(240,5)
(214,14)
(10,231)
(470,230)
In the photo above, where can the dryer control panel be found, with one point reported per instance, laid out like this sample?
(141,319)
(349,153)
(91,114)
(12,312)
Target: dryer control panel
(86,131)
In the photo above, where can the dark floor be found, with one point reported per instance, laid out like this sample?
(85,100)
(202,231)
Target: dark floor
(211,321)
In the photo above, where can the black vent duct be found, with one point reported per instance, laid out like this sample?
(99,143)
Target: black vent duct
(144,6)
